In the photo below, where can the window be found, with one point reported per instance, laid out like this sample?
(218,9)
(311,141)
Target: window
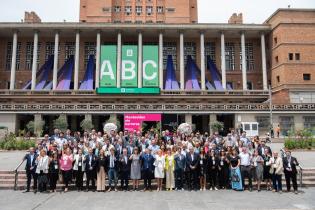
(278,79)
(138,10)
(29,55)
(117,9)
(286,124)
(170,48)
(50,50)
(275,40)
(309,122)
(106,9)
(89,49)
(160,9)
(9,56)
(170,9)
(277,59)
(189,49)
(229,85)
(263,121)
(249,86)
(69,49)
(297,56)
(230,56)
(210,51)
(306,77)
(290,56)
(249,51)
(128,10)
(149,10)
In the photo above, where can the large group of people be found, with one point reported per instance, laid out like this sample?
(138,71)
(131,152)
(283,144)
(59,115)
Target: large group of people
(176,161)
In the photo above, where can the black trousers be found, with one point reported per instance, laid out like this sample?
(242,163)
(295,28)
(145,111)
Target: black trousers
(124,179)
(30,175)
(179,178)
(53,178)
(90,176)
(246,172)
(147,177)
(79,178)
(212,177)
(193,179)
(223,177)
(67,175)
(289,175)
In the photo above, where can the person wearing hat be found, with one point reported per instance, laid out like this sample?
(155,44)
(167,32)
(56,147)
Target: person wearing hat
(289,164)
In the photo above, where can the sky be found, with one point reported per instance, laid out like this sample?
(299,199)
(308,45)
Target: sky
(210,11)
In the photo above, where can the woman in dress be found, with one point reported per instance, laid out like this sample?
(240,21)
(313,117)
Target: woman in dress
(159,164)
(135,171)
(267,175)
(53,171)
(236,179)
(202,169)
(65,163)
(169,169)
(258,163)
(42,170)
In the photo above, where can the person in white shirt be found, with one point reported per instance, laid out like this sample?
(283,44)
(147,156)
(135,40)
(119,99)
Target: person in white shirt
(42,170)
(245,159)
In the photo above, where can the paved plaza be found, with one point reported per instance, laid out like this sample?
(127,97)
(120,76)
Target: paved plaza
(13,200)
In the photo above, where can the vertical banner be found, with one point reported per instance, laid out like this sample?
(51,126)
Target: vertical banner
(129,66)
(108,66)
(150,75)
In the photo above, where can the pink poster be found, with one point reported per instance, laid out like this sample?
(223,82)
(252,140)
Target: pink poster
(134,121)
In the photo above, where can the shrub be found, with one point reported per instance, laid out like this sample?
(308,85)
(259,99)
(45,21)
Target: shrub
(86,125)
(10,142)
(217,126)
(61,123)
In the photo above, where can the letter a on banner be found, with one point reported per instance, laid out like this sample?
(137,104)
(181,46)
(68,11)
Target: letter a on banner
(108,66)
(150,66)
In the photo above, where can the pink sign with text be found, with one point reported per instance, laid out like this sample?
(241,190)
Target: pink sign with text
(134,121)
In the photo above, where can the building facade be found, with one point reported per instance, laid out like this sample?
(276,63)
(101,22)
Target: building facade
(238,92)
(139,11)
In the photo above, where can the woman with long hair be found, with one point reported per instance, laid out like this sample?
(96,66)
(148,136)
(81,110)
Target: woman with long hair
(236,179)
(135,170)
(169,169)
(223,170)
(159,164)
(202,169)
(53,171)
(258,163)
(42,170)
(267,165)
(101,163)
(66,167)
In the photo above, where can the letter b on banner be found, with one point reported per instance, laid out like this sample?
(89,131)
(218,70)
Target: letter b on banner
(129,66)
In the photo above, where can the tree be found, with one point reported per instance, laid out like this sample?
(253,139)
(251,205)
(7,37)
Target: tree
(61,123)
(86,125)
(217,126)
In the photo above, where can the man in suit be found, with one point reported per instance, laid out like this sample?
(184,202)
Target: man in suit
(119,148)
(180,165)
(192,161)
(290,172)
(30,168)
(147,160)
(112,165)
(262,147)
(90,161)
(124,169)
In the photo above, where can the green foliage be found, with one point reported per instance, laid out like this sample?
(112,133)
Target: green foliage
(86,125)
(61,123)
(10,142)
(30,126)
(217,126)
(301,139)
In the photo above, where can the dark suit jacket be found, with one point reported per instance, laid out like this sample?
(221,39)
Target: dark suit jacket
(116,164)
(147,162)
(30,163)
(190,162)
(123,165)
(89,167)
(260,152)
(210,164)
(180,164)
(293,162)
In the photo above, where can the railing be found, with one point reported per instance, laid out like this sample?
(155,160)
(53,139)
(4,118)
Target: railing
(301,175)
(16,174)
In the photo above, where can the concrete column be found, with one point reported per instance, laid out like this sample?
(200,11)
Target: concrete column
(263,60)
(223,65)
(98,57)
(9,121)
(202,61)
(76,60)
(140,60)
(34,65)
(212,119)
(55,70)
(298,122)
(181,61)
(161,69)
(244,67)
(118,59)
(188,118)
(13,62)
(38,124)
(73,125)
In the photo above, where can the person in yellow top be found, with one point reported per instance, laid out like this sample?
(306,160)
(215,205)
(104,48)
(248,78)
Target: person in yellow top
(169,169)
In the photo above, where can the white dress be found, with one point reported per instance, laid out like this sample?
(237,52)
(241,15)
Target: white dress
(159,164)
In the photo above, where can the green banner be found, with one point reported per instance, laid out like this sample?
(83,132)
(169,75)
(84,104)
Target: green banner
(129,66)
(150,66)
(108,66)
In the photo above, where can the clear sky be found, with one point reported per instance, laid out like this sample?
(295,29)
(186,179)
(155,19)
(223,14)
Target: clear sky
(212,11)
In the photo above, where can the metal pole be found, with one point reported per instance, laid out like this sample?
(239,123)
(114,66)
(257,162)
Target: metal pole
(270,109)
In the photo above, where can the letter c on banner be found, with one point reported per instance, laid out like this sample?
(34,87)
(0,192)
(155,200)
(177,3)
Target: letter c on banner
(154,75)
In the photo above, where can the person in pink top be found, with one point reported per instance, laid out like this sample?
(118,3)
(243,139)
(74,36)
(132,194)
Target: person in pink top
(66,167)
